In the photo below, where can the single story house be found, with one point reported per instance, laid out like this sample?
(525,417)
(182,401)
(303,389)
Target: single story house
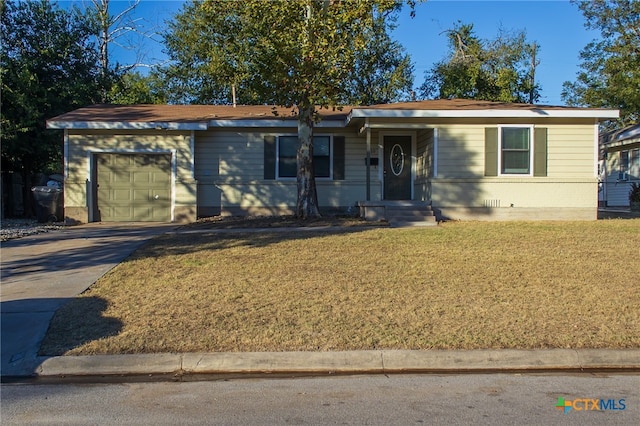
(619,165)
(465,159)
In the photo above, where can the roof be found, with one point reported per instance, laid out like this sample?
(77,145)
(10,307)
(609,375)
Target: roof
(202,117)
(622,136)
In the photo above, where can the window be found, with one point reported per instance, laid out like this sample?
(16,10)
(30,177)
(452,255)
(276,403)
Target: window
(624,165)
(634,164)
(286,157)
(515,150)
(280,157)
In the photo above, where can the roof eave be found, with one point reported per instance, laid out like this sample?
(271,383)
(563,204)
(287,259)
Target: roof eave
(126,125)
(272,123)
(487,113)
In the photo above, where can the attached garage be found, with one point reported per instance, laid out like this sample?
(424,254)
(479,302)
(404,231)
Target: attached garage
(133,187)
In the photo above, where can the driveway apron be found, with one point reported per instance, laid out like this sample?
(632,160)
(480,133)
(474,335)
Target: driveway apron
(40,273)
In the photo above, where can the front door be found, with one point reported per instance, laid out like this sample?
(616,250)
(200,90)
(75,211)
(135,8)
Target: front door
(397,167)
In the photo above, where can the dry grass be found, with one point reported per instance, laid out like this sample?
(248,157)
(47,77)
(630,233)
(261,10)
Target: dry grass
(461,285)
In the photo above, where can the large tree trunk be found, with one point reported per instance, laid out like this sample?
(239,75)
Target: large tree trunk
(307,205)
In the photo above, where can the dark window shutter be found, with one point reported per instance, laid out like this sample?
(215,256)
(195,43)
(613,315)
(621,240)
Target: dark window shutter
(269,157)
(540,151)
(491,151)
(338,157)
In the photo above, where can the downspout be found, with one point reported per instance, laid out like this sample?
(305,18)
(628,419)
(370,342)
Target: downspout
(366,124)
(605,178)
(192,146)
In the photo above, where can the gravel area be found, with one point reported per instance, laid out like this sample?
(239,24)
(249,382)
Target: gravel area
(18,228)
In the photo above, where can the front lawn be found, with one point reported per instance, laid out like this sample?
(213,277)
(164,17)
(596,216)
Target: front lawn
(461,285)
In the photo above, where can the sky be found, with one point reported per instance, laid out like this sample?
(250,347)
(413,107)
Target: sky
(556,25)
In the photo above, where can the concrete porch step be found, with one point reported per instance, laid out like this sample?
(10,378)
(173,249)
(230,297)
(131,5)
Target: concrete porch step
(400,213)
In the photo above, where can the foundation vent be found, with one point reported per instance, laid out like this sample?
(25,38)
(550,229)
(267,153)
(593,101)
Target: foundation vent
(492,203)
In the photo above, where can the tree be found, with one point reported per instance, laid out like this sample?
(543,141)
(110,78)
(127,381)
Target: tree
(383,72)
(502,69)
(297,54)
(135,88)
(48,66)
(610,76)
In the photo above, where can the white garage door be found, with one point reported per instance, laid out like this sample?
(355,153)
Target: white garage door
(134,187)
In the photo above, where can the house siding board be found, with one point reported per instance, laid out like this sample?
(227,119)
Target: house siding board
(617,192)
(569,183)
(424,165)
(229,167)
(570,151)
(460,151)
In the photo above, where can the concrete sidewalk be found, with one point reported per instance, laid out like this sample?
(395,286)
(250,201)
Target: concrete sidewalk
(42,272)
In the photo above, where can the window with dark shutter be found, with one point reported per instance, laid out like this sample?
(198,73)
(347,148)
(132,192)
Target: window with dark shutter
(269,157)
(491,151)
(338,157)
(540,151)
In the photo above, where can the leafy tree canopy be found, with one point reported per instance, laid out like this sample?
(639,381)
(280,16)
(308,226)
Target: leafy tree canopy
(610,75)
(299,54)
(135,88)
(501,69)
(48,66)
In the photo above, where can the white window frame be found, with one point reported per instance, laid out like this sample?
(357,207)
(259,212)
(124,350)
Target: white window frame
(634,163)
(331,155)
(531,148)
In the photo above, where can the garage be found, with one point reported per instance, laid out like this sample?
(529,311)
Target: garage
(133,187)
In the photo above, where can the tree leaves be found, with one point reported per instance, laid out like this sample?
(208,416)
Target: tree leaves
(610,75)
(501,69)
(49,66)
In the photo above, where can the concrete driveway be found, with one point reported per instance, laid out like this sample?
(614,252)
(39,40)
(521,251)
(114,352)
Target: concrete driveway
(40,273)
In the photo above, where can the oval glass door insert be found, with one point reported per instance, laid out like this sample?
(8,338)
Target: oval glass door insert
(396,159)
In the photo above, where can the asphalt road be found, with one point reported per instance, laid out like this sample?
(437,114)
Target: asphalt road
(362,400)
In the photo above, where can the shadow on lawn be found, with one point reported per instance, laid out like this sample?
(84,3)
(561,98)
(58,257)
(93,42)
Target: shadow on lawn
(180,243)
(83,323)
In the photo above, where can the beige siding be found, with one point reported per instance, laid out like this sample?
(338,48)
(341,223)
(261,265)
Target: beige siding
(229,167)
(424,165)
(616,192)
(570,184)
(83,144)
(460,151)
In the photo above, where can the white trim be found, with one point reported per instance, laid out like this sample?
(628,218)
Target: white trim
(126,125)
(596,149)
(192,159)
(65,156)
(435,152)
(293,123)
(534,112)
(531,149)
(174,172)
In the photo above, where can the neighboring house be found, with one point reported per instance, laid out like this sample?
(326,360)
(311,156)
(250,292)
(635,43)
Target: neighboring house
(619,165)
(466,159)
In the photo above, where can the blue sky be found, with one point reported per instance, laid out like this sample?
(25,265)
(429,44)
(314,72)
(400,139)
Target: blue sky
(556,25)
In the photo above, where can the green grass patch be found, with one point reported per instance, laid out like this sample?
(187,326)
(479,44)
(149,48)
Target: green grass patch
(462,285)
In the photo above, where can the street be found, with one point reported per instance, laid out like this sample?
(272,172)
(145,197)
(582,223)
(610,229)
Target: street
(589,399)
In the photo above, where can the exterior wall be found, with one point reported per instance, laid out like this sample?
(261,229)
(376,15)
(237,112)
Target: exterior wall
(81,145)
(229,168)
(615,192)
(568,191)
(226,173)
(424,165)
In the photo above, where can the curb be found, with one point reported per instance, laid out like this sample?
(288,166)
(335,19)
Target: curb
(347,362)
